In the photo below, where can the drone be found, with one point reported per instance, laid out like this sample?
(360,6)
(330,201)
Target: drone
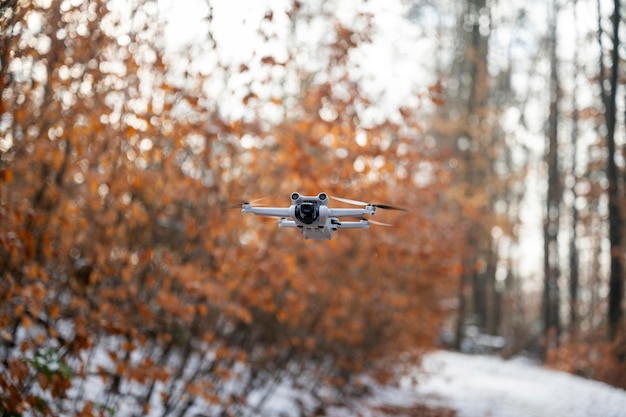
(315,219)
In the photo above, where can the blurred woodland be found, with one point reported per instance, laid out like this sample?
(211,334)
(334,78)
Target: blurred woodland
(131,286)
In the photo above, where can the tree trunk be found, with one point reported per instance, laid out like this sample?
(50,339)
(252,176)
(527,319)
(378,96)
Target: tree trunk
(609,95)
(551,223)
(476,170)
(573,246)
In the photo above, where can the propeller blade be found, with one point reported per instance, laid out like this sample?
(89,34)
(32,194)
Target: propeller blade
(362,203)
(241,203)
(379,223)
(348,201)
(388,207)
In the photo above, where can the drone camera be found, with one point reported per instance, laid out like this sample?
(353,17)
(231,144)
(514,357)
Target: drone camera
(307,213)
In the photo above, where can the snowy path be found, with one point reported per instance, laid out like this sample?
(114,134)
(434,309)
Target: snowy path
(473,386)
(483,386)
(479,386)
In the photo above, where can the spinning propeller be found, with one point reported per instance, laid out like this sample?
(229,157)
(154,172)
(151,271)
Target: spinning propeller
(377,223)
(243,203)
(362,203)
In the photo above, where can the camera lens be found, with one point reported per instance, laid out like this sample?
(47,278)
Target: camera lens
(307,213)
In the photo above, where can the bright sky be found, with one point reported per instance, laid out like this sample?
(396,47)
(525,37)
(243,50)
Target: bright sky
(393,65)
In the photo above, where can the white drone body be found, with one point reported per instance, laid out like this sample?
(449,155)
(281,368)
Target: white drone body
(315,219)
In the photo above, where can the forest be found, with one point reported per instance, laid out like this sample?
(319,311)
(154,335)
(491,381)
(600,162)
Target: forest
(132,131)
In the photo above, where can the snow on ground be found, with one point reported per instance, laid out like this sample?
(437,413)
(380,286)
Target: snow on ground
(489,386)
(471,385)
(483,386)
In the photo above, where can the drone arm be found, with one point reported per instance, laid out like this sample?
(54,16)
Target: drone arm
(361,224)
(348,212)
(266,211)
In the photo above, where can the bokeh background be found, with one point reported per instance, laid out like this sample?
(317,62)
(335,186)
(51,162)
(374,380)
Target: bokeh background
(130,132)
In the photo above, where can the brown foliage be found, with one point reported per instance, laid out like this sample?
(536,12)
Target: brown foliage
(592,357)
(122,267)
